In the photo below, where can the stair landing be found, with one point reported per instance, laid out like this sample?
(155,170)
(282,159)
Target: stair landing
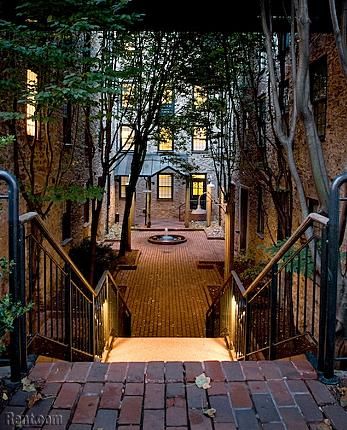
(156,396)
(168,349)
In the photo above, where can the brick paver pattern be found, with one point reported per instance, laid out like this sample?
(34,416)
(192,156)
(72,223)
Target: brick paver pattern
(158,396)
(167,293)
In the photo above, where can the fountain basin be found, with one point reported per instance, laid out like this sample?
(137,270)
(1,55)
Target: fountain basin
(167,239)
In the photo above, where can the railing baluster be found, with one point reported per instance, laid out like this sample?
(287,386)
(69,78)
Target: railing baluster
(273,318)
(68,314)
(305,288)
(45,292)
(314,287)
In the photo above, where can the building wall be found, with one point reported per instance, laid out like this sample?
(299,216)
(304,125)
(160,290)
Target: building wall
(334,145)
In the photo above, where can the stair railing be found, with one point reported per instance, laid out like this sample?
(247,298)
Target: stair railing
(283,309)
(67,314)
(112,316)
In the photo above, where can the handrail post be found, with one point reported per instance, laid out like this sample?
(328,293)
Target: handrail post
(333,267)
(22,298)
(93,338)
(14,275)
(68,314)
(273,313)
(323,300)
(247,329)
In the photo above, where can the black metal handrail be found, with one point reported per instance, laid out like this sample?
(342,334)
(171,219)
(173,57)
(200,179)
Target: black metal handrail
(68,315)
(281,305)
(112,315)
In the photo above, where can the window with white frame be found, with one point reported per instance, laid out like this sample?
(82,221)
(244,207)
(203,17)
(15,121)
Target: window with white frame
(165,186)
(199,142)
(126,138)
(123,182)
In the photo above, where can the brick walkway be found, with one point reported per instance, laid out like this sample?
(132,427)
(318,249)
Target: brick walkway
(167,293)
(157,396)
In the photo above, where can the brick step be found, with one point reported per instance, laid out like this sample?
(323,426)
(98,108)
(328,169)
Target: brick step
(169,349)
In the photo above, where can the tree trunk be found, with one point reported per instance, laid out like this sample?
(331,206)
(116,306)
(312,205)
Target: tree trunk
(93,240)
(229,232)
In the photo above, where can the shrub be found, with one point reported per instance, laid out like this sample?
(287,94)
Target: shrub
(106,258)
(9,311)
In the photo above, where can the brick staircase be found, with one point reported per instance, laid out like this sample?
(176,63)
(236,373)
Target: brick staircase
(156,395)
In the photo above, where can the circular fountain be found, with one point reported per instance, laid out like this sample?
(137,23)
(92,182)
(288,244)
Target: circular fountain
(167,239)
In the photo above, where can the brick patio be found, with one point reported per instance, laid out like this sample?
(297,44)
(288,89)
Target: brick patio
(158,395)
(167,293)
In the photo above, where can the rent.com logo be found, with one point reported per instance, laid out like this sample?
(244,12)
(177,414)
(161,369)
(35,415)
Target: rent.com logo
(31,420)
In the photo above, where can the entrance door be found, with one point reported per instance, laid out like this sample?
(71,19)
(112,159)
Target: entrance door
(198,188)
(244,200)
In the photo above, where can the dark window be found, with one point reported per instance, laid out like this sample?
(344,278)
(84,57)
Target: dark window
(262,119)
(66,221)
(260,211)
(67,124)
(86,211)
(243,219)
(168,103)
(199,142)
(318,76)
(312,205)
(165,186)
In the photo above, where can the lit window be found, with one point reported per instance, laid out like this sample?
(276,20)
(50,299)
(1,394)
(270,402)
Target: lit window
(318,76)
(127,96)
(199,139)
(198,185)
(127,138)
(124,180)
(165,140)
(199,96)
(165,186)
(30,107)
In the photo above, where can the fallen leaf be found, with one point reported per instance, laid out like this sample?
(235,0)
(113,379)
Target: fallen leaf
(4,396)
(210,412)
(203,381)
(28,385)
(34,398)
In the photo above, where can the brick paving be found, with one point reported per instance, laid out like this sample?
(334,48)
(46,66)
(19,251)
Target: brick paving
(158,396)
(167,293)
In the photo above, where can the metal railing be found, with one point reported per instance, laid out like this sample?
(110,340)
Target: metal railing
(193,205)
(283,309)
(112,316)
(69,319)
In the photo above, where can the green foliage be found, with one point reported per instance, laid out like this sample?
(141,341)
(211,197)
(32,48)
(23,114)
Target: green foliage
(6,140)
(9,311)
(297,259)
(5,267)
(74,193)
(106,259)
(246,268)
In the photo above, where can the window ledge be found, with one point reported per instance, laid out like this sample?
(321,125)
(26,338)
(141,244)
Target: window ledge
(66,241)
(260,235)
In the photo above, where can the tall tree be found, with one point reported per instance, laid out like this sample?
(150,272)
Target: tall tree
(155,59)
